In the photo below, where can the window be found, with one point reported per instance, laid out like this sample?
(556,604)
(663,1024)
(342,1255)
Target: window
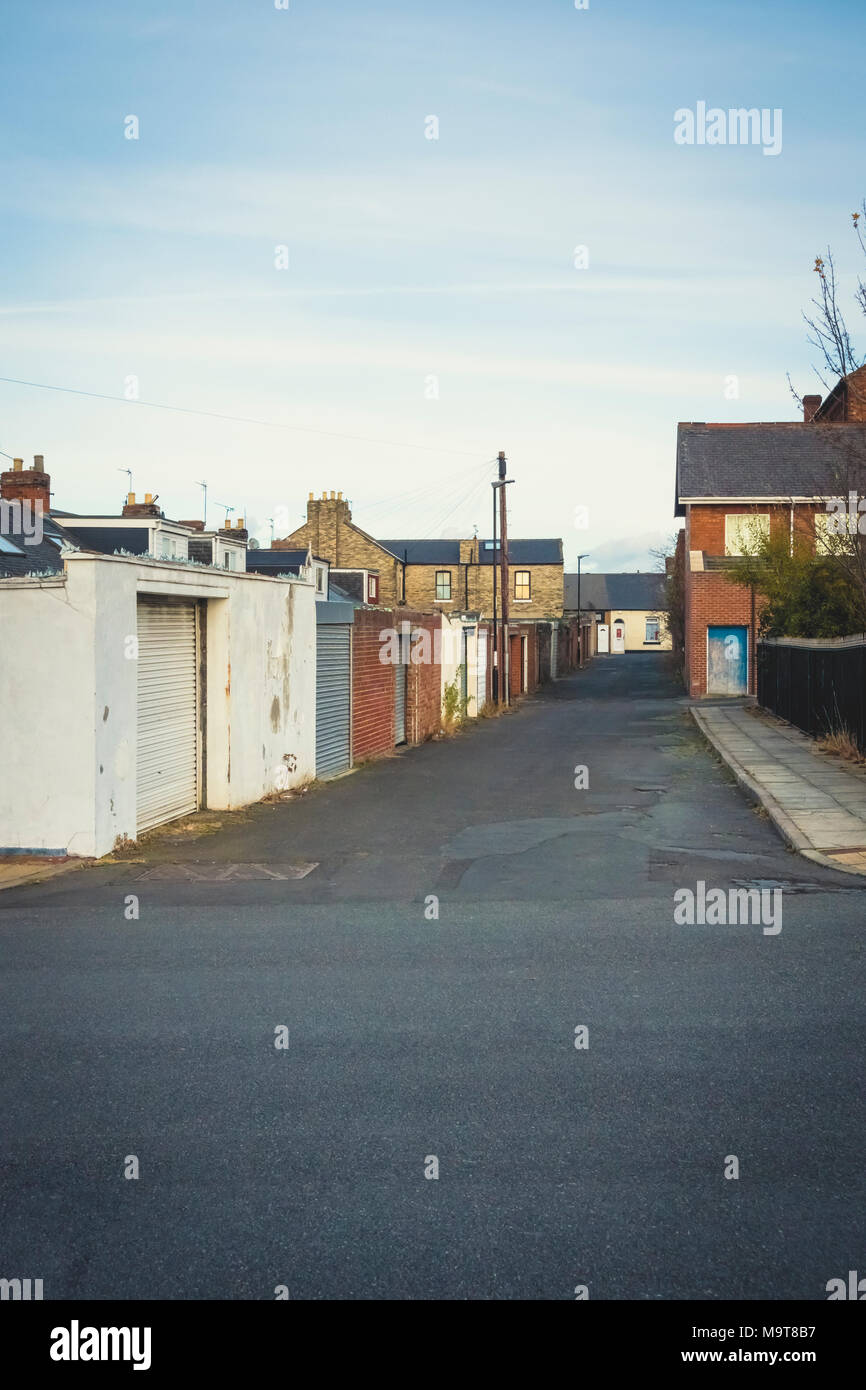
(744,531)
(320,579)
(228,560)
(522,585)
(824,542)
(653,630)
(443,584)
(166,545)
(372,588)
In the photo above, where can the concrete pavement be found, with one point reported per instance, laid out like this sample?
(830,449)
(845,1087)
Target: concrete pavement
(413,1037)
(817,802)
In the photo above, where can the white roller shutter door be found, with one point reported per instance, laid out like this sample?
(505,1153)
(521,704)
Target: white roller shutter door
(168,761)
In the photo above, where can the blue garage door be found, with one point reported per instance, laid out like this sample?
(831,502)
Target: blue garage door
(727,660)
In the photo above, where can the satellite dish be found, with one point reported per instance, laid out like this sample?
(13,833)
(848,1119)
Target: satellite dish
(253,543)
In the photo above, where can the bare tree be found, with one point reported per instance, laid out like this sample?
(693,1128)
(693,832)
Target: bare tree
(841,369)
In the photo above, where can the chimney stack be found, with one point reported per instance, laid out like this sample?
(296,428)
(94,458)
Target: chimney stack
(141,509)
(810,405)
(31,485)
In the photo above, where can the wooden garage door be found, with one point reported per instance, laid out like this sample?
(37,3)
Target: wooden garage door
(167,759)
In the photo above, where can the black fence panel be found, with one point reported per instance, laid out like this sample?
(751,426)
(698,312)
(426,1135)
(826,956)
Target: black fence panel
(819,689)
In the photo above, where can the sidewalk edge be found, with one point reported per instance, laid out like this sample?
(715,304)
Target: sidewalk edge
(785,826)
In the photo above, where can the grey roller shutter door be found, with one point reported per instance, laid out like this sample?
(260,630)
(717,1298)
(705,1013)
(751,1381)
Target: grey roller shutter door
(167,755)
(400,671)
(554,648)
(333,699)
(481,680)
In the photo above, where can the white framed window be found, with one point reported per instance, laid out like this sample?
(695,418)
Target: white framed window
(744,530)
(522,586)
(372,588)
(653,630)
(825,539)
(443,585)
(320,579)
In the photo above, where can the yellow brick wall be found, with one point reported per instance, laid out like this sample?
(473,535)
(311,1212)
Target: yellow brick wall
(330,532)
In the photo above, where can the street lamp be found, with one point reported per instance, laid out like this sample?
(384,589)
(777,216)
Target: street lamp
(585,556)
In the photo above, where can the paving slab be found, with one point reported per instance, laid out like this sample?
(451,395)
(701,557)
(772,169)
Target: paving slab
(816,802)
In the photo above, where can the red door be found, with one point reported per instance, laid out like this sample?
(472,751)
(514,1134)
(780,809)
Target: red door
(515,661)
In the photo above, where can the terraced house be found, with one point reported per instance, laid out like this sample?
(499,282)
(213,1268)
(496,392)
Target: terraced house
(447,576)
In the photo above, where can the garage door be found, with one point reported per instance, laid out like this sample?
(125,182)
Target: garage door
(727,660)
(481,670)
(333,699)
(167,760)
(401,672)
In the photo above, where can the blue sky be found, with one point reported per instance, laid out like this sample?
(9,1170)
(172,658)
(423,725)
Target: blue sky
(409,258)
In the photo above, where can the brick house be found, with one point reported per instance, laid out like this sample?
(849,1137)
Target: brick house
(730,478)
(628,610)
(446,576)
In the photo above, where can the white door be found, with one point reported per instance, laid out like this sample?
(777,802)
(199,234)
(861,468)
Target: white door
(168,756)
(617,637)
(603,637)
(481,671)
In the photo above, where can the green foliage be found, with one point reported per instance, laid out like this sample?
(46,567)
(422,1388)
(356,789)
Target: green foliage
(454,705)
(799,594)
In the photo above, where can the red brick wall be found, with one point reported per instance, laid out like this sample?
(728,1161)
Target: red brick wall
(424,680)
(711,600)
(372,687)
(715,601)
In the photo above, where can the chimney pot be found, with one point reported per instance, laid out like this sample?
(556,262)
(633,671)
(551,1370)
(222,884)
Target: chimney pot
(324,497)
(311,497)
(17,465)
(148,497)
(130,499)
(339,496)
(39,463)
(333,494)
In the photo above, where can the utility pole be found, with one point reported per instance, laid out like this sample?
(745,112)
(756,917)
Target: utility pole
(494,678)
(504,664)
(579,621)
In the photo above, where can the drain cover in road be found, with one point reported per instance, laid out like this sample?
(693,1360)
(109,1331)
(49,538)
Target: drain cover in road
(224,873)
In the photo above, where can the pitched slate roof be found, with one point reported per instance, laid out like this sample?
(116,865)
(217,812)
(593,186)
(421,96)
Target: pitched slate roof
(625,592)
(264,561)
(18,558)
(425,552)
(765,460)
(445,552)
(531,552)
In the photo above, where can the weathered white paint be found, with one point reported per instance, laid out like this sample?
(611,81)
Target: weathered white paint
(69,702)
(452,657)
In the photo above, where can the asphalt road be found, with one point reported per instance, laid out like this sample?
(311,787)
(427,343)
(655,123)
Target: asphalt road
(411,1038)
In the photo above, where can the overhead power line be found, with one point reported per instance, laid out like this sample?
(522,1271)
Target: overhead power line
(237,419)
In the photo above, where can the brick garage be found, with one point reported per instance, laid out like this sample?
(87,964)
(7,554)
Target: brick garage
(424,681)
(373,701)
(712,600)
(372,687)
